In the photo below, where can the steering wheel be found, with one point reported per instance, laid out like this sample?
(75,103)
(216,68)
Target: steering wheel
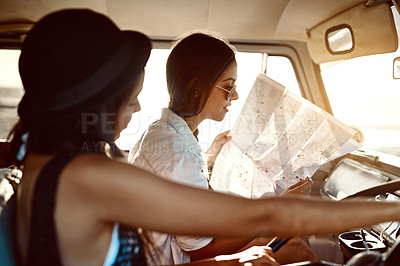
(392,256)
(388,187)
(366,258)
(369,258)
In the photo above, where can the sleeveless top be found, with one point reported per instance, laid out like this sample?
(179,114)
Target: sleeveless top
(126,247)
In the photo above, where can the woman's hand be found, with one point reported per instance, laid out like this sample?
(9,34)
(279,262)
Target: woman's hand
(256,255)
(302,187)
(295,250)
(216,146)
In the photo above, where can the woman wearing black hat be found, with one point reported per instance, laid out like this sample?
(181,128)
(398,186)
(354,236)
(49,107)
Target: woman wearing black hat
(82,76)
(77,206)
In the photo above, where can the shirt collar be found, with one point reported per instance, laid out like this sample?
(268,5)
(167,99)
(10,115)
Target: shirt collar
(181,127)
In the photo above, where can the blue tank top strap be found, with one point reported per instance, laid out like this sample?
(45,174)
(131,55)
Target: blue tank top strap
(131,250)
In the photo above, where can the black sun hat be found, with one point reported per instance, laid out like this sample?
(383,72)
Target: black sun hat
(76,59)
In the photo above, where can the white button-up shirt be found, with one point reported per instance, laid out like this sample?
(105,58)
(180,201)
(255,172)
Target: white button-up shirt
(168,148)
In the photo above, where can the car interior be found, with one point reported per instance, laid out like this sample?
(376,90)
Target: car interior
(341,55)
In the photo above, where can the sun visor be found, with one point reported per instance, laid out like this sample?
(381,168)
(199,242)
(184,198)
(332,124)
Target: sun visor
(356,32)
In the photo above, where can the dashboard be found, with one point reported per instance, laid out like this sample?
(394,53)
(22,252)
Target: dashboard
(353,179)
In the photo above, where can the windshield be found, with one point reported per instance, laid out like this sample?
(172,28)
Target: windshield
(363,94)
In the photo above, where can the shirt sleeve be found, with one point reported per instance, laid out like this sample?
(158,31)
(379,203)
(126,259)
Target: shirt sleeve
(190,243)
(186,170)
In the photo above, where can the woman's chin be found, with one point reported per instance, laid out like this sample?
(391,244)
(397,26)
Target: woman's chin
(219,118)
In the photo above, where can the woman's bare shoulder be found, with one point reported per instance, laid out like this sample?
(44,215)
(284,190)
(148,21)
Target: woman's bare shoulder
(96,168)
(95,164)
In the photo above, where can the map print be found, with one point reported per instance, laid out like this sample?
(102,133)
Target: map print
(278,139)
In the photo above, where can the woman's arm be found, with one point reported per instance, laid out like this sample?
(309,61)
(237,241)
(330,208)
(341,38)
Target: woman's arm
(116,191)
(224,245)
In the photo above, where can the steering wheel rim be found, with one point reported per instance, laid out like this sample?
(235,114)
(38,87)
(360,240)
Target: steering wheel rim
(388,187)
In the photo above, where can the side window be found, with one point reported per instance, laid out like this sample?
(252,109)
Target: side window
(280,68)
(11,90)
(152,98)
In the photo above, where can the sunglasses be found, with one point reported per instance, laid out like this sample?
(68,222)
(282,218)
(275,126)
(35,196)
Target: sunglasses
(230,92)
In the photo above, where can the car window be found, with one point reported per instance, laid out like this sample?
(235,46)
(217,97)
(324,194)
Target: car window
(280,69)
(11,90)
(363,94)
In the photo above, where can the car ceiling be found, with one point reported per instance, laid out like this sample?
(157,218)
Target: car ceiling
(239,20)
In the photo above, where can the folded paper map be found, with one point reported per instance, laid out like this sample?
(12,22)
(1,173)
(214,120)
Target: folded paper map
(278,139)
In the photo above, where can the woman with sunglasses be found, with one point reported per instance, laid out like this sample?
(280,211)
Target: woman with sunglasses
(201,76)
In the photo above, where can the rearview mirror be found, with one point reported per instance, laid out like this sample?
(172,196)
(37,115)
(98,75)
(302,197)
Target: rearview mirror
(396,68)
(339,39)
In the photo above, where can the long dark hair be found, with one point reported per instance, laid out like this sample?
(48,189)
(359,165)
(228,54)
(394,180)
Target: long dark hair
(85,131)
(193,68)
